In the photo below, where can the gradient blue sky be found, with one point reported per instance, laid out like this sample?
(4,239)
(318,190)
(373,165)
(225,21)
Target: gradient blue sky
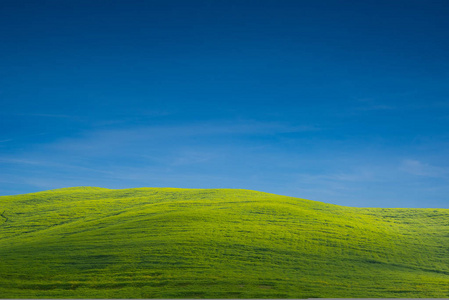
(345,102)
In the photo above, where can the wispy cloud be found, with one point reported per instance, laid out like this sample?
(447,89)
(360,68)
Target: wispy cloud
(41,115)
(376,107)
(418,168)
(189,157)
(215,128)
(19,161)
(152,137)
(47,162)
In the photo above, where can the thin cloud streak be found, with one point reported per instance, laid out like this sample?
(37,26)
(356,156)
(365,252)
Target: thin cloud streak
(379,107)
(113,140)
(418,168)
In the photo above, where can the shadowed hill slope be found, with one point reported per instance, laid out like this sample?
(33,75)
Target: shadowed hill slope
(91,242)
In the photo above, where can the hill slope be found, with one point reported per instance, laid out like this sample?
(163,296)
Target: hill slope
(183,243)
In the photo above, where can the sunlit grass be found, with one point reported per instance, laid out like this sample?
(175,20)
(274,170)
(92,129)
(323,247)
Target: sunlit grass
(182,243)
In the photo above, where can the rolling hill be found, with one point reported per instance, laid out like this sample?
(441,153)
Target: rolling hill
(89,242)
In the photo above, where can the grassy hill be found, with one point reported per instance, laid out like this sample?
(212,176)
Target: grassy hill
(91,242)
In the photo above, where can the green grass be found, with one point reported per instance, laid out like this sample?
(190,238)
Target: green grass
(90,242)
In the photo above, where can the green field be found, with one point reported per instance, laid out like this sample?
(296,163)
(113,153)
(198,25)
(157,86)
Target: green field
(91,242)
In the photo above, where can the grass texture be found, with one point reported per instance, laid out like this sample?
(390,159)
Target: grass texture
(89,242)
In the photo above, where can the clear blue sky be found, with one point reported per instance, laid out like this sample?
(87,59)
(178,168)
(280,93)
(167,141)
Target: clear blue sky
(345,102)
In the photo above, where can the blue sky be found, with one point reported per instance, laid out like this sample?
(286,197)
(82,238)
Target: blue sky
(345,102)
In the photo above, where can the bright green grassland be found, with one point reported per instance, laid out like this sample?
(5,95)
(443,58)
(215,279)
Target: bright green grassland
(182,243)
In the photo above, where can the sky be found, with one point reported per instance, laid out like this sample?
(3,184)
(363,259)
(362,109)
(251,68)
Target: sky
(339,101)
